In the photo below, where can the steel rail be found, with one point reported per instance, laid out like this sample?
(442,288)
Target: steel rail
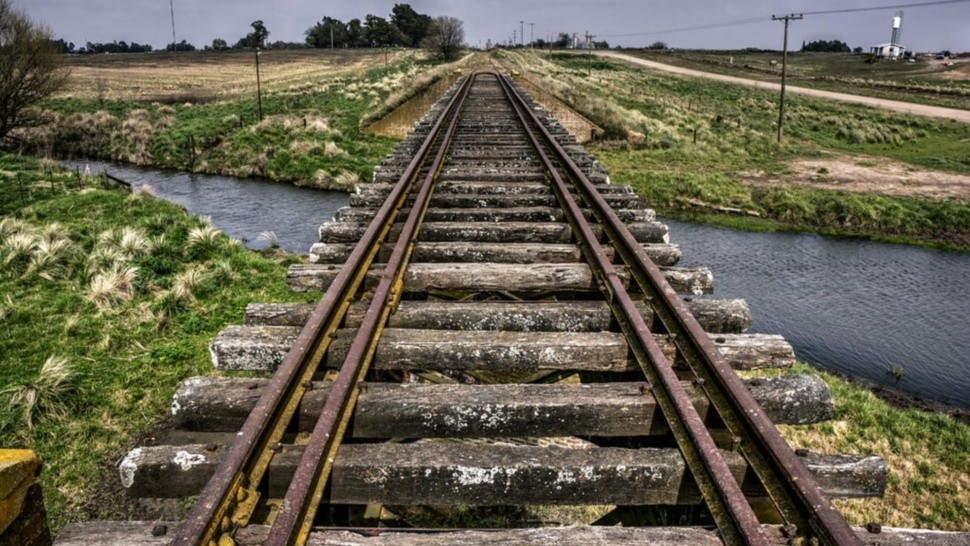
(303,497)
(788,482)
(735,518)
(230,496)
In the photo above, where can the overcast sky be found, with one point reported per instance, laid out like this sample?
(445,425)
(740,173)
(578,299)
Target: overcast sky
(620,22)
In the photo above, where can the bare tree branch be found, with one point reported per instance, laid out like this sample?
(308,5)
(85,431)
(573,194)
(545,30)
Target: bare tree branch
(446,37)
(30,68)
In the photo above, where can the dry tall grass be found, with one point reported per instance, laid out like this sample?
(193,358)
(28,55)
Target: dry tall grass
(46,396)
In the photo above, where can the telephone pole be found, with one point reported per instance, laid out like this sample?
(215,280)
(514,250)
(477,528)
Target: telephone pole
(522,32)
(784,68)
(171,8)
(532,35)
(589,55)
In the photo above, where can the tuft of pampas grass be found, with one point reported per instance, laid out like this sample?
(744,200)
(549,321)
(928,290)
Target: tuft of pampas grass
(270,238)
(303,147)
(111,286)
(204,237)
(45,396)
(185,283)
(332,150)
(49,257)
(134,242)
(346,179)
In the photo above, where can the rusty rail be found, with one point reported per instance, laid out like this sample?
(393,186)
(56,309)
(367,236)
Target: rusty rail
(292,525)
(231,495)
(790,486)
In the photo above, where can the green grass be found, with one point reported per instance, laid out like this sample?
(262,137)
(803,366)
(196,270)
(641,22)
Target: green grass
(931,222)
(128,354)
(921,81)
(651,118)
(310,134)
(928,455)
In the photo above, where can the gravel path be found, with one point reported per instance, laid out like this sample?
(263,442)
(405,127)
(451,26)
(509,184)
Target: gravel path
(895,105)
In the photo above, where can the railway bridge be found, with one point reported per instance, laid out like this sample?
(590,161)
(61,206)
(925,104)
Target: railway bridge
(500,327)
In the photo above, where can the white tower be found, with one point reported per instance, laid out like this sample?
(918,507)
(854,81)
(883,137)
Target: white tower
(897,29)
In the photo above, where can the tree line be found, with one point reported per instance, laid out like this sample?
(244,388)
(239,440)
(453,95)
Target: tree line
(404,27)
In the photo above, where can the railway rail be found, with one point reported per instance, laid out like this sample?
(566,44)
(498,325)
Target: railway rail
(493,289)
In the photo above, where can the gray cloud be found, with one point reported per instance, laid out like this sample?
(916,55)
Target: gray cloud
(924,29)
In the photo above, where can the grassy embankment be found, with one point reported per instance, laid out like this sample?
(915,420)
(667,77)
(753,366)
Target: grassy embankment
(108,301)
(313,106)
(127,342)
(928,455)
(924,81)
(650,119)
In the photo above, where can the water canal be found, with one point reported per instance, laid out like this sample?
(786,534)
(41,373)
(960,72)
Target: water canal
(892,315)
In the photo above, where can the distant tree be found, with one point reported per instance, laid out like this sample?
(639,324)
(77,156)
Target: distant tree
(446,37)
(62,46)
(30,68)
(219,45)
(824,46)
(320,34)
(601,45)
(413,25)
(379,32)
(256,38)
(657,45)
(355,33)
(181,46)
(857,50)
(563,40)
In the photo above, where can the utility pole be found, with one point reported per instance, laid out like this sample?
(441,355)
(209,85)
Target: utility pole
(514,40)
(522,32)
(259,91)
(171,8)
(331,36)
(784,69)
(589,55)
(532,35)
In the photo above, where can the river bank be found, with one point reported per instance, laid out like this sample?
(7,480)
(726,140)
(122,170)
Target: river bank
(127,359)
(109,300)
(694,148)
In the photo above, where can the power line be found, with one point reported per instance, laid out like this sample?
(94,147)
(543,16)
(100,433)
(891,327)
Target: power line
(698,27)
(876,8)
(766,18)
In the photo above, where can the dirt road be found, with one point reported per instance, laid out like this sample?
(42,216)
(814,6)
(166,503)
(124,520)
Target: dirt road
(895,105)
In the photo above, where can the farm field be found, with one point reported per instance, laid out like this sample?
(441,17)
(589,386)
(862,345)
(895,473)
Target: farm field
(925,81)
(202,76)
(199,112)
(694,147)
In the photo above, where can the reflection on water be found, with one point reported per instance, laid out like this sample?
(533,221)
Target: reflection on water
(857,307)
(243,208)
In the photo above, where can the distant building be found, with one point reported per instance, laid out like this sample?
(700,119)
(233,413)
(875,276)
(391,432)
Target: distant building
(887,51)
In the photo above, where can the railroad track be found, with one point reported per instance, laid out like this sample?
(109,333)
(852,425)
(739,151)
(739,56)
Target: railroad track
(500,327)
